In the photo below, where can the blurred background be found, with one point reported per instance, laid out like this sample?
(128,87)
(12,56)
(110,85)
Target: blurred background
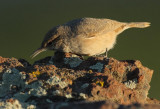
(23,24)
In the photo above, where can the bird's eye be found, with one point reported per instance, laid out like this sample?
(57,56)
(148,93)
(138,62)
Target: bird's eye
(50,43)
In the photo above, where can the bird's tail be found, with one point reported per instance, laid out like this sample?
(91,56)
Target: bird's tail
(138,24)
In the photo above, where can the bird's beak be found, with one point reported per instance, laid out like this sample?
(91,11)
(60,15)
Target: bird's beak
(38,51)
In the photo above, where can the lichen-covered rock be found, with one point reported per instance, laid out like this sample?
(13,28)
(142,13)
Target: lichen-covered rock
(12,80)
(129,78)
(9,63)
(62,79)
(15,104)
(98,66)
(10,104)
(73,61)
(56,81)
(131,83)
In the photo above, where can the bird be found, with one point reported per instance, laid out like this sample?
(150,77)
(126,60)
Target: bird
(85,36)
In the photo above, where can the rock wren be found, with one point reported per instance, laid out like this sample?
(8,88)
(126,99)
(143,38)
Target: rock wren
(85,36)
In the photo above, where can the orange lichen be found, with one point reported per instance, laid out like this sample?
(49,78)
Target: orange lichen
(140,78)
(70,81)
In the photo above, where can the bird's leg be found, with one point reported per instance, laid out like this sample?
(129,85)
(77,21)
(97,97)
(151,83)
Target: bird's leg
(106,52)
(80,56)
(51,60)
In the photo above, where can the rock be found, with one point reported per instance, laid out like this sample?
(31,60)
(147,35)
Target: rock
(93,82)
(97,105)
(129,78)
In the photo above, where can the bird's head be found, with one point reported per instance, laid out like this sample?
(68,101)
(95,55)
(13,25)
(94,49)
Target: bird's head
(48,42)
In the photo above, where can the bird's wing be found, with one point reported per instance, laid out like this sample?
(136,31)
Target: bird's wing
(90,27)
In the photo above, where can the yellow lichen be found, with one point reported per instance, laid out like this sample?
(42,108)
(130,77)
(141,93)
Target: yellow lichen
(35,74)
(138,64)
(101,83)
(90,71)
